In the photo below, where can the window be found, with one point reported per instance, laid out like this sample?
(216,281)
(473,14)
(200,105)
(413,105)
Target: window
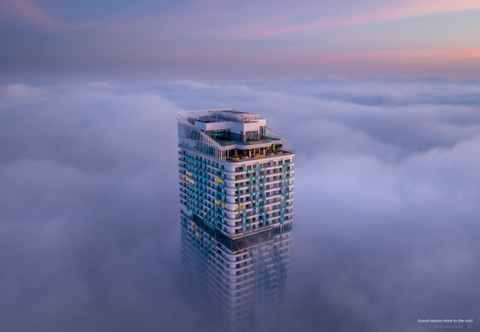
(251,135)
(263,131)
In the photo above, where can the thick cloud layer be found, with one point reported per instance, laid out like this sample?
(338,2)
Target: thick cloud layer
(386,203)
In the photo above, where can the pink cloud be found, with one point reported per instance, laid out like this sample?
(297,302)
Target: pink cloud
(26,11)
(407,56)
(397,11)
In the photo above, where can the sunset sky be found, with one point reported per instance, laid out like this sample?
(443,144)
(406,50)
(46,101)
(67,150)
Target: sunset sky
(378,99)
(231,38)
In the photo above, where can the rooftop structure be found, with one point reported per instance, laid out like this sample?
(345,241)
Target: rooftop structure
(232,135)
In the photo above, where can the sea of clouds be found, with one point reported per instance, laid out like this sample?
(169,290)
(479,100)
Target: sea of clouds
(386,202)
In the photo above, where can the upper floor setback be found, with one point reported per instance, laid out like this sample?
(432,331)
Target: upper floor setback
(229,135)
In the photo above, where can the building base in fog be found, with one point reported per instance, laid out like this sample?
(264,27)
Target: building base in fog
(241,280)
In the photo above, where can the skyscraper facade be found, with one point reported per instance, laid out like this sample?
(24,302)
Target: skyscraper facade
(236,176)
(236,183)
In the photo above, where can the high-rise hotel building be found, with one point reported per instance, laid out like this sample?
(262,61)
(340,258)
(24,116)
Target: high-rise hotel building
(236,176)
(236,181)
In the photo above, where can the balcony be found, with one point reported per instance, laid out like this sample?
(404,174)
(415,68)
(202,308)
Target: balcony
(258,156)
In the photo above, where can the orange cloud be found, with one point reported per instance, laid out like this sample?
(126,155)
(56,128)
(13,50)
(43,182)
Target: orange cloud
(449,62)
(430,56)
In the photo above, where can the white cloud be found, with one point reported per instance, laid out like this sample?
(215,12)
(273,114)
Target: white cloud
(385,194)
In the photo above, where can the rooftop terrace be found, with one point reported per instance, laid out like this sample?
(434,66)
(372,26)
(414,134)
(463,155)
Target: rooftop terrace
(257,155)
(228,140)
